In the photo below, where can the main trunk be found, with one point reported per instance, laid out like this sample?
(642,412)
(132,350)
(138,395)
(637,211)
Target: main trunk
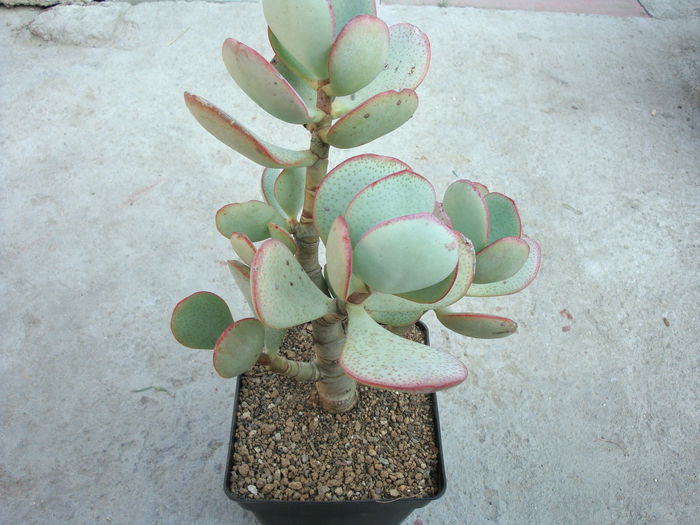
(337,391)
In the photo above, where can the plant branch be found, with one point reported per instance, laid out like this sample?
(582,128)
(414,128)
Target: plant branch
(299,370)
(305,233)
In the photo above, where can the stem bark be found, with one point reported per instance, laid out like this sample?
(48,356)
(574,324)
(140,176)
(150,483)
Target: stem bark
(337,391)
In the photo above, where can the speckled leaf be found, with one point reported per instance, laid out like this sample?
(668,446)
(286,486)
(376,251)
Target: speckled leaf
(501,260)
(339,258)
(199,319)
(264,84)
(374,118)
(287,59)
(344,181)
(241,274)
(243,246)
(468,211)
(406,253)
(237,137)
(440,213)
(374,356)
(481,326)
(398,194)
(305,28)
(302,86)
(504,219)
(345,10)
(249,218)
(357,55)
(395,318)
(239,347)
(515,283)
(283,295)
(289,191)
(279,233)
(406,66)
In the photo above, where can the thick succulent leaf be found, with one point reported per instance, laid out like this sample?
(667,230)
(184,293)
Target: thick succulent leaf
(249,218)
(464,278)
(267,185)
(501,260)
(462,283)
(396,195)
(305,28)
(384,302)
(468,211)
(342,183)
(302,86)
(374,118)
(504,219)
(339,258)
(237,137)
(345,10)
(283,295)
(289,190)
(279,233)
(481,188)
(357,55)
(241,274)
(481,326)
(287,59)
(243,247)
(376,357)
(441,214)
(273,340)
(406,66)
(432,294)
(239,347)
(357,285)
(395,318)
(264,84)
(515,283)
(406,253)
(199,319)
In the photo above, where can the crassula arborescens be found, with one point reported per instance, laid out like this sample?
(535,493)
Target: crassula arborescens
(393,249)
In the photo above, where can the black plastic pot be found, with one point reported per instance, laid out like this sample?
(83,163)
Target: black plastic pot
(364,512)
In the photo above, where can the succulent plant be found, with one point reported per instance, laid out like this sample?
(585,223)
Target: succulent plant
(393,249)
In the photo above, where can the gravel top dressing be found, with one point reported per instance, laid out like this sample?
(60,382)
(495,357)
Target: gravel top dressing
(288,448)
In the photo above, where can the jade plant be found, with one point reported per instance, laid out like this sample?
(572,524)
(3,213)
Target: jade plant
(393,250)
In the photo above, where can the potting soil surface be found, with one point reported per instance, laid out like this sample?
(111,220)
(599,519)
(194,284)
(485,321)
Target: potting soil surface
(288,448)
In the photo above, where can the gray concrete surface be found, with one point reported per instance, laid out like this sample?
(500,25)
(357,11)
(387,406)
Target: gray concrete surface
(588,416)
(672,9)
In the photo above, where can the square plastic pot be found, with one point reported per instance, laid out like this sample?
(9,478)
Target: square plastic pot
(361,512)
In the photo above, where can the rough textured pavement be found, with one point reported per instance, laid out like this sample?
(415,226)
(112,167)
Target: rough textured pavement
(588,415)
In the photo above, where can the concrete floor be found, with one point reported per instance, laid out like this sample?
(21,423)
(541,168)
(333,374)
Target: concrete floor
(588,416)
